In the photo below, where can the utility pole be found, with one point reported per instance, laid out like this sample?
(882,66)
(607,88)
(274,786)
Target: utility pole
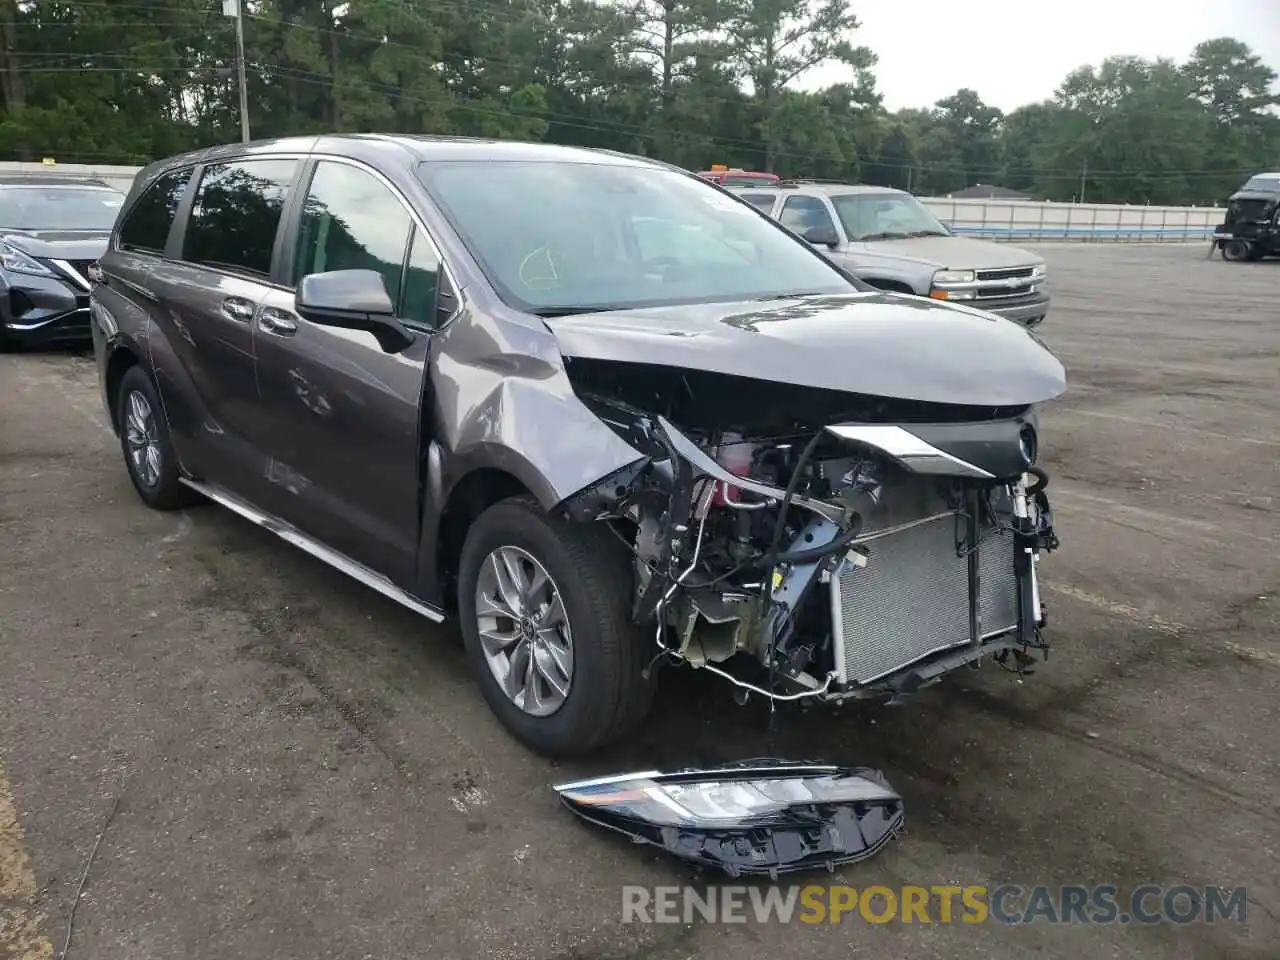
(1084,172)
(235,8)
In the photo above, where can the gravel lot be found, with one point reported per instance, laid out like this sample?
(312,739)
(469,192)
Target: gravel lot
(303,769)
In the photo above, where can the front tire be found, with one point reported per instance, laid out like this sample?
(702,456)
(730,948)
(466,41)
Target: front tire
(544,606)
(1237,251)
(144,440)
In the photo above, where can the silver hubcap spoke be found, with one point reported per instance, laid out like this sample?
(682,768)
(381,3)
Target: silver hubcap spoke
(140,434)
(524,631)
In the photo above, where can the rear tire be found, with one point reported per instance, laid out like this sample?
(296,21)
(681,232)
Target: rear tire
(607,696)
(145,443)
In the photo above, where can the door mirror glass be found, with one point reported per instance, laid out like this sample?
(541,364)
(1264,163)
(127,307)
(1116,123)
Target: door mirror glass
(352,300)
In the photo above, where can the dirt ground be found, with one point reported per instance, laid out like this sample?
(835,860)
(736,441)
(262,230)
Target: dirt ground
(301,769)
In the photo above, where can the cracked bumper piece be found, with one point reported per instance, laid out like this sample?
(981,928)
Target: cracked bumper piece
(755,817)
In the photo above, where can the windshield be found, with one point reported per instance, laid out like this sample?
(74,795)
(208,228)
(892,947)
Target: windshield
(1267,183)
(886,216)
(573,237)
(59,208)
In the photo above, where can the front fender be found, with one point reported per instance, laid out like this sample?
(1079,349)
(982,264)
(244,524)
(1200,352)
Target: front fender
(504,400)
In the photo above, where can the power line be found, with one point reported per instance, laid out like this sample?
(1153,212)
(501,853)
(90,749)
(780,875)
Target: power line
(572,122)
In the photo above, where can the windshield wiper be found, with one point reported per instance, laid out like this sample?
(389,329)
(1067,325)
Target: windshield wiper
(927,233)
(884,236)
(550,313)
(793,296)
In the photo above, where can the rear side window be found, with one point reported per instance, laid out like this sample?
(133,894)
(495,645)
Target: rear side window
(146,227)
(236,213)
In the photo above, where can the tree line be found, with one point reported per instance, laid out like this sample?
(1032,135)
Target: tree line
(693,82)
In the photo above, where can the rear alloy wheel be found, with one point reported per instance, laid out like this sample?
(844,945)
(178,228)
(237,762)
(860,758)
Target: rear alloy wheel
(1236,251)
(148,451)
(544,605)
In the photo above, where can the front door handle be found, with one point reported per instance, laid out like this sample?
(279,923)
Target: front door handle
(271,320)
(238,308)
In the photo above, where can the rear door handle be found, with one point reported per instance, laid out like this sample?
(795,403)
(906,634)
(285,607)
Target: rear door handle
(238,308)
(276,321)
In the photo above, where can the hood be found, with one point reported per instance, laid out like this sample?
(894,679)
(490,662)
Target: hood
(949,253)
(59,244)
(879,344)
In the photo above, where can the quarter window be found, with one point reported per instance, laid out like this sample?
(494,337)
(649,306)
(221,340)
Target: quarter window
(236,214)
(421,280)
(805,213)
(146,226)
(352,221)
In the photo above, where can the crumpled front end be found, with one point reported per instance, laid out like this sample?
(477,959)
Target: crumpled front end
(864,555)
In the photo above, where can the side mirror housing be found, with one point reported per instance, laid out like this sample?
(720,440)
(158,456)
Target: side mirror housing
(821,236)
(352,300)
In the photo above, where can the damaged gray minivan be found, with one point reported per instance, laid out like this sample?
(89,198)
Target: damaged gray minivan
(603,412)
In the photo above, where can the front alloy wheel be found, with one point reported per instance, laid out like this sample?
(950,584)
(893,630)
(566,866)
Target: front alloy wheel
(545,609)
(524,630)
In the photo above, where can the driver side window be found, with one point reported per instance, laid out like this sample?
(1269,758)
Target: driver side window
(804,213)
(352,221)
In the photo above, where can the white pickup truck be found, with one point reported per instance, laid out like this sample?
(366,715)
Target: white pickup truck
(891,240)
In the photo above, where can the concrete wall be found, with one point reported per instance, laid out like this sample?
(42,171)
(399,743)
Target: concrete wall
(1024,220)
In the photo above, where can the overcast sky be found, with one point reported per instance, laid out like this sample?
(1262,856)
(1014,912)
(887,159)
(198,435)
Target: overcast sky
(1014,52)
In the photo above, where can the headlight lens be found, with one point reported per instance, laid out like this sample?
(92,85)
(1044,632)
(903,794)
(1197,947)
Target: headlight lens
(953,276)
(1029,444)
(1038,271)
(15,261)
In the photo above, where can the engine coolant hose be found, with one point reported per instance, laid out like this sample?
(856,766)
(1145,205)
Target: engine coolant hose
(814,554)
(770,559)
(1041,475)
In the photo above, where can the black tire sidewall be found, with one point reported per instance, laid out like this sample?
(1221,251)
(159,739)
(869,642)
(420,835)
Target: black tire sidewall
(586,718)
(1237,251)
(167,494)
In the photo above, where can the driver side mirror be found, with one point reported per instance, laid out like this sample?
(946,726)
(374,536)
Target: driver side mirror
(822,236)
(352,300)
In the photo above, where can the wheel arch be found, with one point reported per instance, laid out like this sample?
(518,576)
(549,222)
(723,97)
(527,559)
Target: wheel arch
(121,358)
(448,516)
(892,286)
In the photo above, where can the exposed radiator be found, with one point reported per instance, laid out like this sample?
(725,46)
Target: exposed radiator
(912,597)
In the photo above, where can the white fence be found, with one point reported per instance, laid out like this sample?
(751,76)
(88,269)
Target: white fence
(1106,222)
(119,177)
(1025,220)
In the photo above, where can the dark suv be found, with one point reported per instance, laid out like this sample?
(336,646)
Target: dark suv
(52,229)
(600,409)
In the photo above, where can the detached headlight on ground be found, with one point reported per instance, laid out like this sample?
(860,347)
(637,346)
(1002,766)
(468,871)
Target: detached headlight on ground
(755,817)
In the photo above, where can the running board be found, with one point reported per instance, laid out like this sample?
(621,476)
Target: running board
(341,562)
